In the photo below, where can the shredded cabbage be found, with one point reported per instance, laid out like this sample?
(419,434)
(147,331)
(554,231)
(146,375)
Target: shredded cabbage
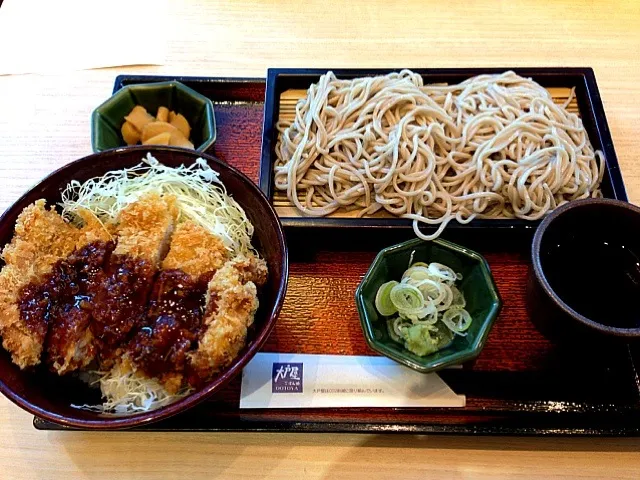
(201,197)
(127,392)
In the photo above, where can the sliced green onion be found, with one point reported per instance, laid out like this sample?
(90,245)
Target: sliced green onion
(429,319)
(430,289)
(442,272)
(383,302)
(430,308)
(399,327)
(420,264)
(392,330)
(457,320)
(427,311)
(417,273)
(445,303)
(458,299)
(407,298)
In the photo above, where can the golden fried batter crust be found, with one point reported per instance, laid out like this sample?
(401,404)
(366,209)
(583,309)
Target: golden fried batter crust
(231,305)
(78,352)
(144,228)
(251,269)
(42,237)
(93,230)
(195,251)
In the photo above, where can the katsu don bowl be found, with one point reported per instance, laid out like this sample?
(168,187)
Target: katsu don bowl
(135,283)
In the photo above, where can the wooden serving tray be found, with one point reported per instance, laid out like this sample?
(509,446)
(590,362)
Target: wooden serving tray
(521,384)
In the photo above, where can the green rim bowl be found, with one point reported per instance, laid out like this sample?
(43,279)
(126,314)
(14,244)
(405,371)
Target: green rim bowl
(107,119)
(477,286)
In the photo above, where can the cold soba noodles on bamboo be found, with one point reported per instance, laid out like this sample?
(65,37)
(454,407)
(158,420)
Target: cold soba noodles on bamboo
(493,146)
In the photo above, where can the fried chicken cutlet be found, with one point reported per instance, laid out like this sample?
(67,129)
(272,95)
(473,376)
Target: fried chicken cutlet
(144,228)
(195,251)
(231,304)
(143,231)
(174,316)
(70,344)
(42,239)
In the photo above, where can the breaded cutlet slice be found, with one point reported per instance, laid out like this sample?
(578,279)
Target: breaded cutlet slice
(41,239)
(231,304)
(70,344)
(251,268)
(93,230)
(144,228)
(143,231)
(194,256)
(195,251)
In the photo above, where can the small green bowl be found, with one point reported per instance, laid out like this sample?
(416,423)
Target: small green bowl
(107,119)
(477,286)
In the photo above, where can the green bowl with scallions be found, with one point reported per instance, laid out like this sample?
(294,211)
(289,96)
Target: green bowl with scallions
(454,341)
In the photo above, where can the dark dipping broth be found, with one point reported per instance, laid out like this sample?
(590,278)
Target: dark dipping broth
(593,264)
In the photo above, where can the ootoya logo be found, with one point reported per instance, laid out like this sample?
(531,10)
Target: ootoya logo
(286,378)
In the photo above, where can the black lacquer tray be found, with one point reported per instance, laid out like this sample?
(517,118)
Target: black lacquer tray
(284,85)
(521,384)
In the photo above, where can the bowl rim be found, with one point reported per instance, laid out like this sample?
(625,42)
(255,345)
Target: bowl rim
(145,418)
(454,358)
(209,113)
(542,279)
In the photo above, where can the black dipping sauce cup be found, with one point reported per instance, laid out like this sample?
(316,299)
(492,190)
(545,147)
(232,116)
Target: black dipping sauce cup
(584,284)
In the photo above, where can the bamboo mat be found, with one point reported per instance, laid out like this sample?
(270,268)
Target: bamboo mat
(287,109)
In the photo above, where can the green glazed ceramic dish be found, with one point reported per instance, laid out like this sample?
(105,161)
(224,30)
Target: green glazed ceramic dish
(107,119)
(477,286)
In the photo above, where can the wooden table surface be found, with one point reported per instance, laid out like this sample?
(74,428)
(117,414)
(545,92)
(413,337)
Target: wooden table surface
(44,123)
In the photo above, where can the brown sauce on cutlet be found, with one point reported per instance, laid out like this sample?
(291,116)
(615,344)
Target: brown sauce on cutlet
(119,305)
(76,281)
(59,306)
(155,318)
(33,304)
(174,322)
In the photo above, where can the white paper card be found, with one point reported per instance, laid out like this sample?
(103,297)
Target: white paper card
(66,35)
(276,380)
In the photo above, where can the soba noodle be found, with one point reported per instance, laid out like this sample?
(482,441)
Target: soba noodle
(493,146)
